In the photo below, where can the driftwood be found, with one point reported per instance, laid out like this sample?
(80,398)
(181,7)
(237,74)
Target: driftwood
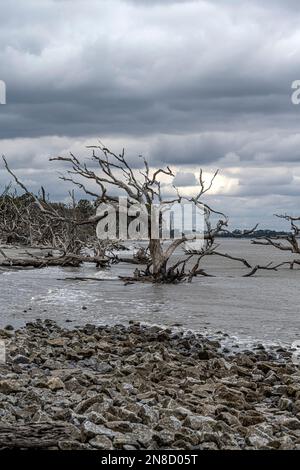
(82,278)
(65,260)
(233,258)
(142,187)
(67,229)
(34,435)
(288,242)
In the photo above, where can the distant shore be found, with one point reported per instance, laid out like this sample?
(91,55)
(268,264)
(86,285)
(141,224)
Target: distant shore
(143,387)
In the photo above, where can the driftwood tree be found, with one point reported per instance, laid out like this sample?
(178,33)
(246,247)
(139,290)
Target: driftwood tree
(33,221)
(288,242)
(111,173)
(105,177)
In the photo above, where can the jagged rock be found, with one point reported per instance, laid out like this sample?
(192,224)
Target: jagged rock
(181,412)
(9,328)
(143,388)
(91,429)
(229,419)
(84,405)
(170,423)
(285,403)
(290,423)
(20,359)
(72,445)
(251,418)
(149,414)
(101,443)
(95,417)
(121,426)
(55,383)
(164,438)
(121,441)
(10,386)
(200,423)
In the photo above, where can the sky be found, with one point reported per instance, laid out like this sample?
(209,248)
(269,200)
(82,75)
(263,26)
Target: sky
(191,84)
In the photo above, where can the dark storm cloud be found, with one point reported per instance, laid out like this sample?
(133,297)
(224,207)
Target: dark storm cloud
(200,83)
(140,71)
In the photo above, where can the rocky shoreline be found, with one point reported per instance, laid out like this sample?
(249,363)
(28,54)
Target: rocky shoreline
(143,387)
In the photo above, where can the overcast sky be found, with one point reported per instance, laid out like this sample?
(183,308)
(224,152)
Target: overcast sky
(186,83)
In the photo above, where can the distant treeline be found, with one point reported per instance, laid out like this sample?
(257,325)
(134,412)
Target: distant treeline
(255,234)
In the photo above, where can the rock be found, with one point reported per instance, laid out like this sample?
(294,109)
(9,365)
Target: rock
(121,426)
(72,445)
(55,383)
(229,419)
(204,355)
(230,396)
(271,378)
(141,387)
(170,423)
(104,367)
(251,418)
(84,405)
(129,447)
(259,436)
(90,429)
(208,446)
(296,406)
(142,434)
(56,342)
(20,359)
(128,415)
(286,443)
(9,328)
(95,417)
(164,438)
(200,423)
(119,442)
(285,404)
(149,414)
(10,386)
(128,388)
(101,443)
(181,412)
(73,385)
(41,416)
(293,390)
(290,423)
(258,442)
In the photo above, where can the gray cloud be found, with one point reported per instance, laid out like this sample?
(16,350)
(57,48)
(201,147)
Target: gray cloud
(186,83)
(185,179)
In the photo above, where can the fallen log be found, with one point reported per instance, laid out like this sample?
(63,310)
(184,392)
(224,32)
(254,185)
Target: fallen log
(81,278)
(68,260)
(35,435)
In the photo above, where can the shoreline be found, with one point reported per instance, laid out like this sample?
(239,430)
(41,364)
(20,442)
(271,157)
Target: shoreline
(143,387)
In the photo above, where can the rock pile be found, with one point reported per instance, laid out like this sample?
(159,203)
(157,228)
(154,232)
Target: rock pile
(141,387)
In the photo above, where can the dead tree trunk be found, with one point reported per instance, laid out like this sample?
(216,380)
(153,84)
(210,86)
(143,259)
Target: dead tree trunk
(35,435)
(157,258)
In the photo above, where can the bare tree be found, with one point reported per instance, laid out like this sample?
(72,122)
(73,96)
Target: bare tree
(32,220)
(288,242)
(103,178)
(109,171)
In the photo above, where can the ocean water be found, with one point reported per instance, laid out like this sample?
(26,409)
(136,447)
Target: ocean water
(265,307)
